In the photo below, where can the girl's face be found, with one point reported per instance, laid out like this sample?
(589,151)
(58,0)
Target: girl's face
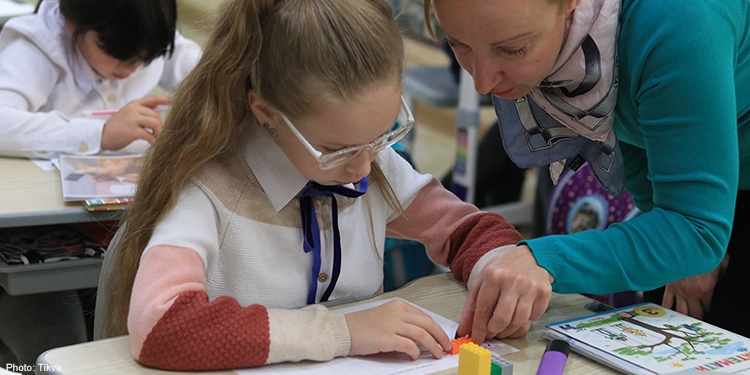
(103,64)
(508,46)
(338,125)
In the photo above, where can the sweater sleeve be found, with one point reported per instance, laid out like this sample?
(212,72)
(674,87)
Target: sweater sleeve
(27,79)
(174,326)
(677,119)
(455,233)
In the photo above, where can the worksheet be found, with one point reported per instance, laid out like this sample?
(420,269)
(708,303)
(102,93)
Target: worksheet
(379,364)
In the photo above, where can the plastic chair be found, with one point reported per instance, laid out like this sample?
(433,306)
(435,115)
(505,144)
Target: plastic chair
(101,330)
(434,86)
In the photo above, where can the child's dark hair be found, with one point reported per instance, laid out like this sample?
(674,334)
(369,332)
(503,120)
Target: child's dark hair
(128,29)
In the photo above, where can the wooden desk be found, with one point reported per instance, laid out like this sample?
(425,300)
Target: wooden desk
(30,196)
(439,293)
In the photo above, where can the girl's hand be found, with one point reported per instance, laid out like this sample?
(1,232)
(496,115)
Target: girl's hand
(511,291)
(395,327)
(137,120)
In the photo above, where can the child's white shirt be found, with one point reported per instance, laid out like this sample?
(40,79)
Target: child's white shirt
(46,85)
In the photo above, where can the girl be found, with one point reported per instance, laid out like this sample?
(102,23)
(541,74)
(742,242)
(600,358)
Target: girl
(74,56)
(276,188)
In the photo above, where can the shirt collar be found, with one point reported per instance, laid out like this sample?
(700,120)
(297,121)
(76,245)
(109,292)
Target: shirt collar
(279,178)
(85,77)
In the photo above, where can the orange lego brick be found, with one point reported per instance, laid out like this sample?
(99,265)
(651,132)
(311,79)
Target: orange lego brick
(456,343)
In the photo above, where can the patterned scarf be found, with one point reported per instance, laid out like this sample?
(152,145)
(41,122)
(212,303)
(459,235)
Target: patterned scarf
(568,118)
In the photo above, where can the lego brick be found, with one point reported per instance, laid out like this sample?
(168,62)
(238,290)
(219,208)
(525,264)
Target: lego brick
(474,360)
(456,343)
(500,365)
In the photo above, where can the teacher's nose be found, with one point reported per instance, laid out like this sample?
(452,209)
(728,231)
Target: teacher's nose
(486,73)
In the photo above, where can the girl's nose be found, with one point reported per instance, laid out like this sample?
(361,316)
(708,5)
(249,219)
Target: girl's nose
(360,165)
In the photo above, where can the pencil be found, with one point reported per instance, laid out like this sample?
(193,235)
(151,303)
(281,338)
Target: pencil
(110,112)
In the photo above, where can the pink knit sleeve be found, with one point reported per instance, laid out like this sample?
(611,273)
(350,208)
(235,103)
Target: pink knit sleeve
(173,325)
(455,233)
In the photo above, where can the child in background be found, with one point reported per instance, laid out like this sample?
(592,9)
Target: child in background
(75,56)
(273,186)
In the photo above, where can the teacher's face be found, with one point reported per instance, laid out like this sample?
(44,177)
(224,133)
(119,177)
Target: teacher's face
(508,46)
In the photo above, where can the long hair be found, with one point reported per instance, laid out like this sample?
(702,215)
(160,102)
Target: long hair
(297,55)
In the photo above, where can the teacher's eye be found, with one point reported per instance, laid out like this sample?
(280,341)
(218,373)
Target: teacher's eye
(514,52)
(454,44)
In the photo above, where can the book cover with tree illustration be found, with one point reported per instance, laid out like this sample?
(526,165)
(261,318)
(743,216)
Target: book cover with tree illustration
(649,339)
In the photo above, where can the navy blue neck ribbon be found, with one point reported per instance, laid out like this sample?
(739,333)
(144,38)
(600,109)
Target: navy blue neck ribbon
(311,231)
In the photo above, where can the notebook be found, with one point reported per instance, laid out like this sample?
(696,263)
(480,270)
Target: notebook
(99,178)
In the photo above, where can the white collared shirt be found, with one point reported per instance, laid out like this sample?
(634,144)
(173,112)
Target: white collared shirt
(46,85)
(278,177)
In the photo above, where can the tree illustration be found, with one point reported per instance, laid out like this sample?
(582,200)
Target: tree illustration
(685,339)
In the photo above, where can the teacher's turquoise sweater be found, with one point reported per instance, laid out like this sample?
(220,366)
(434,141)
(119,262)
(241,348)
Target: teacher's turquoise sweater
(682,117)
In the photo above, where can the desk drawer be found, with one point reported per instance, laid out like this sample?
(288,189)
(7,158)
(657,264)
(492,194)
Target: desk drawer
(50,277)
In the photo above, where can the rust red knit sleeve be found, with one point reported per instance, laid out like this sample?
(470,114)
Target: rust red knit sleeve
(475,237)
(195,334)
(455,233)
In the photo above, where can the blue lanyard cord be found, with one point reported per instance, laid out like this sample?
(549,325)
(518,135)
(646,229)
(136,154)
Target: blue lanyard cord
(311,231)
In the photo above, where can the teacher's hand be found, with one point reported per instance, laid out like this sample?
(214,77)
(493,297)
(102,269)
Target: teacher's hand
(692,296)
(510,292)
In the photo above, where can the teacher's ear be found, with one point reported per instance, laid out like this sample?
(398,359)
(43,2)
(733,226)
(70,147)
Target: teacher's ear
(570,6)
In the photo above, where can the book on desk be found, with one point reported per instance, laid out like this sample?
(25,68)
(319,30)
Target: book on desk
(102,182)
(649,339)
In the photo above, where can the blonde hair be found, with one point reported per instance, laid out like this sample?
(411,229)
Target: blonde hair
(297,55)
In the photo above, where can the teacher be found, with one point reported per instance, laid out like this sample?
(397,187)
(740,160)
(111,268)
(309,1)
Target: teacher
(654,95)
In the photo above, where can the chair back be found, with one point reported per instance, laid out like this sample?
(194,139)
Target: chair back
(101,321)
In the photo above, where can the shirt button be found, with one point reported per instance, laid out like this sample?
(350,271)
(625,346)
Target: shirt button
(83,147)
(111,98)
(323,277)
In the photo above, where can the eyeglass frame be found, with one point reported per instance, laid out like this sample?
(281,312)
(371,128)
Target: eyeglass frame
(370,147)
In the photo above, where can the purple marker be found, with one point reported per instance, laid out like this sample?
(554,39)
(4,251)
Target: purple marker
(554,358)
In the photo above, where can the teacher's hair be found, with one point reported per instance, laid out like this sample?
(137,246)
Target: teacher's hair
(428,11)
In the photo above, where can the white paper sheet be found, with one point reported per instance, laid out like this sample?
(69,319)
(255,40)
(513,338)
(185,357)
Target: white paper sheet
(379,364)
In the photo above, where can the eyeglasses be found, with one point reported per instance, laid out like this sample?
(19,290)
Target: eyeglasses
(340,157)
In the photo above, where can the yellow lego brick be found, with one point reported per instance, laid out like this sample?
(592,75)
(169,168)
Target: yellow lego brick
(473,360)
